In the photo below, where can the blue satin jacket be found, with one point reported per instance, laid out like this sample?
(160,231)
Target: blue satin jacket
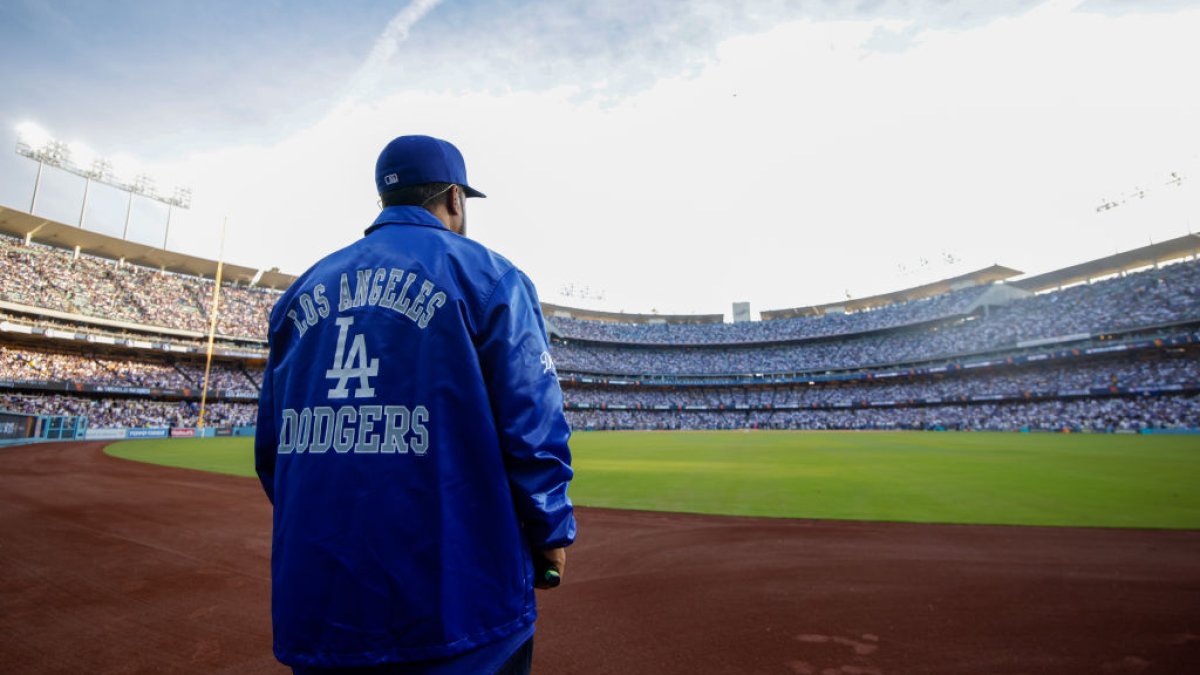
(412,440)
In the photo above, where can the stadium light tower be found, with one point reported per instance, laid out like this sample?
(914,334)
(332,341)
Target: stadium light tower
(37,144)
(182,198)
(33,142)
(1106,204)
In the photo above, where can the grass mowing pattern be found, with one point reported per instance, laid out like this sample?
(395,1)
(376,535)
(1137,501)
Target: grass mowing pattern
(219,455)
(1016,479)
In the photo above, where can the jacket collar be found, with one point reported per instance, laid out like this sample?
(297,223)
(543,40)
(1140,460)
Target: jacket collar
(405,215)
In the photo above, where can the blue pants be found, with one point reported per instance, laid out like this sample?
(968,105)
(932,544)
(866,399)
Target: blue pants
(519,663)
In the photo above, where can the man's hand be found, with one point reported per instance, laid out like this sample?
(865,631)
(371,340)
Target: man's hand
(551,568)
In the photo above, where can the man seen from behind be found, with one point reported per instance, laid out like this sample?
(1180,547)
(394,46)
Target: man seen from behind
(411,438)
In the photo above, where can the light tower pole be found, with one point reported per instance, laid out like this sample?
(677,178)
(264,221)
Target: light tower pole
(49,151)
(183,199)
(100,170)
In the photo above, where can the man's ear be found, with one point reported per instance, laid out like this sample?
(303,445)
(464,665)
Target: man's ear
(455,207)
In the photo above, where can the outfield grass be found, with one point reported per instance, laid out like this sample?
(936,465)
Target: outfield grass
(1028,479)
(219,455)
(1019,479)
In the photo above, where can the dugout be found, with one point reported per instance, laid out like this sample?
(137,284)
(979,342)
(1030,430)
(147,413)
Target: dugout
(17,427)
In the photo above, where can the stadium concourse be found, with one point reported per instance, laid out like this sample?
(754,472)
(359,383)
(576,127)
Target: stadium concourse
(116,331)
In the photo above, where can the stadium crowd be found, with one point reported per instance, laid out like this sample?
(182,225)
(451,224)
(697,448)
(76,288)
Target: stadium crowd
(1128,372)
(114,412)
(53,278)
(880,351)
(1097,414)
(889,316)
(937,329)
(1114,413)
(24,364)
(103,334)
(1144,299)
(1149,297)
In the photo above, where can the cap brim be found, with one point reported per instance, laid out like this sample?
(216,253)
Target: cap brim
(472,192)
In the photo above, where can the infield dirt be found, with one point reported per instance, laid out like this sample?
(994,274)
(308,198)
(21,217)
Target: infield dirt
(111,566)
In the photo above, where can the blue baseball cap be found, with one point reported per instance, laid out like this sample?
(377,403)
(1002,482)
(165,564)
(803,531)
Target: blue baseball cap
(416,160)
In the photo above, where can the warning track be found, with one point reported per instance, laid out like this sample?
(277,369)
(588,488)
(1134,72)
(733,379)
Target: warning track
(110,566)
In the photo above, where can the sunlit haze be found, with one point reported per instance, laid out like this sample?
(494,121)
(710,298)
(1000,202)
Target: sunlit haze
(672,157)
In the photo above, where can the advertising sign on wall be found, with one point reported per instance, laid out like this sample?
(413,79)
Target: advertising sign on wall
(104,434)
(148,433)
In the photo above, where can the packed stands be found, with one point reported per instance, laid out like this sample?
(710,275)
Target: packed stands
(1127,372)
(951,304)
(133,351)
(1151,297)
(1145,299)
(18,364)
(111,412)
(1092,414)
(1118,353)
(124,345)
(46,277)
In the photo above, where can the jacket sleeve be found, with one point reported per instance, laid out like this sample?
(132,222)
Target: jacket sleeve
(266,436)
(527,405)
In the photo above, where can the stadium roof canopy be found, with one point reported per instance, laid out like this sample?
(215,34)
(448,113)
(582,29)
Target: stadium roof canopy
(53,233)
(622,317)
(1154,254)
(976,278)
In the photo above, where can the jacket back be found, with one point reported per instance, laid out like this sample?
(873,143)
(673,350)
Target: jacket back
(412,441)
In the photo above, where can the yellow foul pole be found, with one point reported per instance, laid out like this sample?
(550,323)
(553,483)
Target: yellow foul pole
(212,322)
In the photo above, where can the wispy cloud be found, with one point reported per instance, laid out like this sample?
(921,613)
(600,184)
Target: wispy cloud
(616,48)
(918,126)
(1119,7)
(366,80)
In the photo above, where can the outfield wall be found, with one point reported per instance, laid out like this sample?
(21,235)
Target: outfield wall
(217,432)
(166,432)
(16,428)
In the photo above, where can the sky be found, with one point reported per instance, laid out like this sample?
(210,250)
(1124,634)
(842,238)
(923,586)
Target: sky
(670,157)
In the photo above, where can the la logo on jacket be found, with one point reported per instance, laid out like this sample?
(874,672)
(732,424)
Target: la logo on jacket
(355,366)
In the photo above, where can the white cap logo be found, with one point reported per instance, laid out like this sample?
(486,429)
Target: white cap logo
(391,179)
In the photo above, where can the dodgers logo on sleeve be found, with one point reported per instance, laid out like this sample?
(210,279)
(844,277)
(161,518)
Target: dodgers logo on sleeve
(548,363)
